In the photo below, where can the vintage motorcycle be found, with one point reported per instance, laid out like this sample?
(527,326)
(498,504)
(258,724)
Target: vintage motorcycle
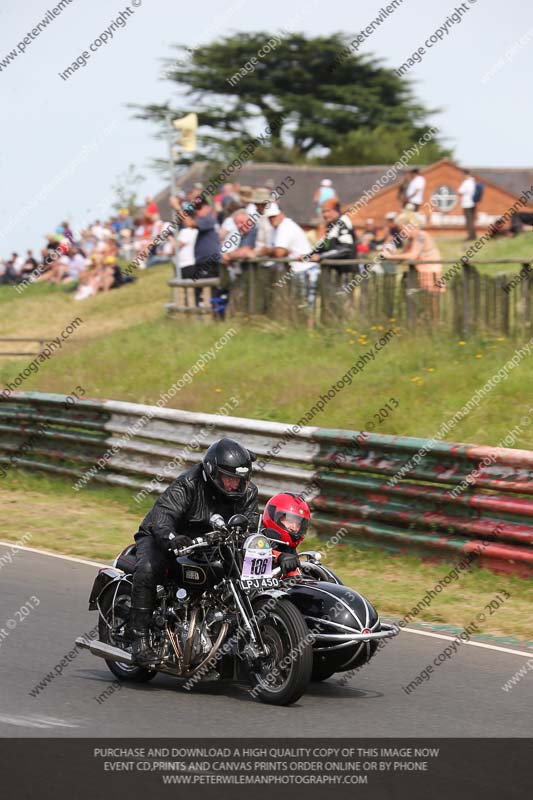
(224,613)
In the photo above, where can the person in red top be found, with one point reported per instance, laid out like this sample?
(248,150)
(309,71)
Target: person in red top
(288,514)
(151,207)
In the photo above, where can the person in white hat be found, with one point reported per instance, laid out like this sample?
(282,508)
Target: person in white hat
(324,192)
(290,241)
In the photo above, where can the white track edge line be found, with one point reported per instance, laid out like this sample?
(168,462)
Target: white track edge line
(404,630)
(54,555)
(472,644)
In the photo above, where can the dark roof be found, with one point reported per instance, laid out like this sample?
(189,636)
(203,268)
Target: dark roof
(513,179)
(349,182)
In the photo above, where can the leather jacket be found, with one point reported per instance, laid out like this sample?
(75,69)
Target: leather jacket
(186,506)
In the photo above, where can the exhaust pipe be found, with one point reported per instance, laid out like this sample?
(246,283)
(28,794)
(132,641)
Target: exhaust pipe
(104,650)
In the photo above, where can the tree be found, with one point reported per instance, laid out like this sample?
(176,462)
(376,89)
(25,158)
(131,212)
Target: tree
(322,102)
(384,145)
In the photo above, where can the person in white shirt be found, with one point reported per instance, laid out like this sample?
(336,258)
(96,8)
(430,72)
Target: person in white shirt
(466,190)
(290,241)
(186,240)
(416,188)
(18,264)
(261,198)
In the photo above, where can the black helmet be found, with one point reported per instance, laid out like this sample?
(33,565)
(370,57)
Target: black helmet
(228,466)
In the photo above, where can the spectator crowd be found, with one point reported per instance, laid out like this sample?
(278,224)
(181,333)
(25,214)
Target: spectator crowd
(87,261)
(229,228)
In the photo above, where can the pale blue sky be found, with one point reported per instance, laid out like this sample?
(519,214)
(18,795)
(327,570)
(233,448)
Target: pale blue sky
(64,143)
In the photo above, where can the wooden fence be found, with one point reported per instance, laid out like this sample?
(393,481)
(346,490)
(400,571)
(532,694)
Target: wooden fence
(471,302)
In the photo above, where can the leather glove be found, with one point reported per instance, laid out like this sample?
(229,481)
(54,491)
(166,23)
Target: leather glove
(288,562)
(217,521)
(173,542)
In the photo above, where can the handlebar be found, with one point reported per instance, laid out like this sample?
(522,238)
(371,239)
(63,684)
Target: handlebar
(199,542)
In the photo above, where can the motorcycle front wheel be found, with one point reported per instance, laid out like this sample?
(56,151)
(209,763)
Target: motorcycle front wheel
(281,677)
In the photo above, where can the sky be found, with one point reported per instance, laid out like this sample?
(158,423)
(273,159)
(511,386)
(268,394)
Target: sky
(64,142)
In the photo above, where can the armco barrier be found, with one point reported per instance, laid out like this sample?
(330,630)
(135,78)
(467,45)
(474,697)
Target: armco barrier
(351,479)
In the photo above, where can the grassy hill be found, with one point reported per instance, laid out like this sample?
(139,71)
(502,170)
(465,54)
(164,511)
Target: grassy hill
(127,349)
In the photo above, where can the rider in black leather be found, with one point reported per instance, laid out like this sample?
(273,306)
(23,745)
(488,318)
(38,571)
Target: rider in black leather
(219,485)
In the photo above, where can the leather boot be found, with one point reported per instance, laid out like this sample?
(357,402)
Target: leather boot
(142,650)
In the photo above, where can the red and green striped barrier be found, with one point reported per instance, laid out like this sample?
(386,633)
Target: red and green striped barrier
(390,492)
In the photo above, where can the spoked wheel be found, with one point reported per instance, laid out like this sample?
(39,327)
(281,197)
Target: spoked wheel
(114,630)
(282,676)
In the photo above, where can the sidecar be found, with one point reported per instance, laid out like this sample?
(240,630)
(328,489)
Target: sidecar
(345,625)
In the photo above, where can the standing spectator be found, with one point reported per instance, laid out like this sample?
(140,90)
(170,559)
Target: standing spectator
(261,198)
(291,242)
(415,190)
(245,199)
(228,195)
(228,232)
(392,234)
(206,248)
(324,192)
(402,188)
(419,245)
(339,241)
(186,241)
(243,244)
(466,190)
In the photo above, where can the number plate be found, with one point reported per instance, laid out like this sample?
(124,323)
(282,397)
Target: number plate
(259,583)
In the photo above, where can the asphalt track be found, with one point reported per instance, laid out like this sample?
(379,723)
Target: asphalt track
(463,698)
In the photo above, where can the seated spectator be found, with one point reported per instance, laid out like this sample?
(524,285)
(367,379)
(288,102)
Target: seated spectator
(51,245)
(90,278)
(17,265)
(76,265)
(151,207)
(29,265)
(521,221)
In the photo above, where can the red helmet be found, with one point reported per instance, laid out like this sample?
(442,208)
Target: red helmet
(289,515)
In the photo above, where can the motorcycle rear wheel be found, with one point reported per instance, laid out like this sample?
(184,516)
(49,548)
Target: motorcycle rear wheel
(116,637)
(286,635)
